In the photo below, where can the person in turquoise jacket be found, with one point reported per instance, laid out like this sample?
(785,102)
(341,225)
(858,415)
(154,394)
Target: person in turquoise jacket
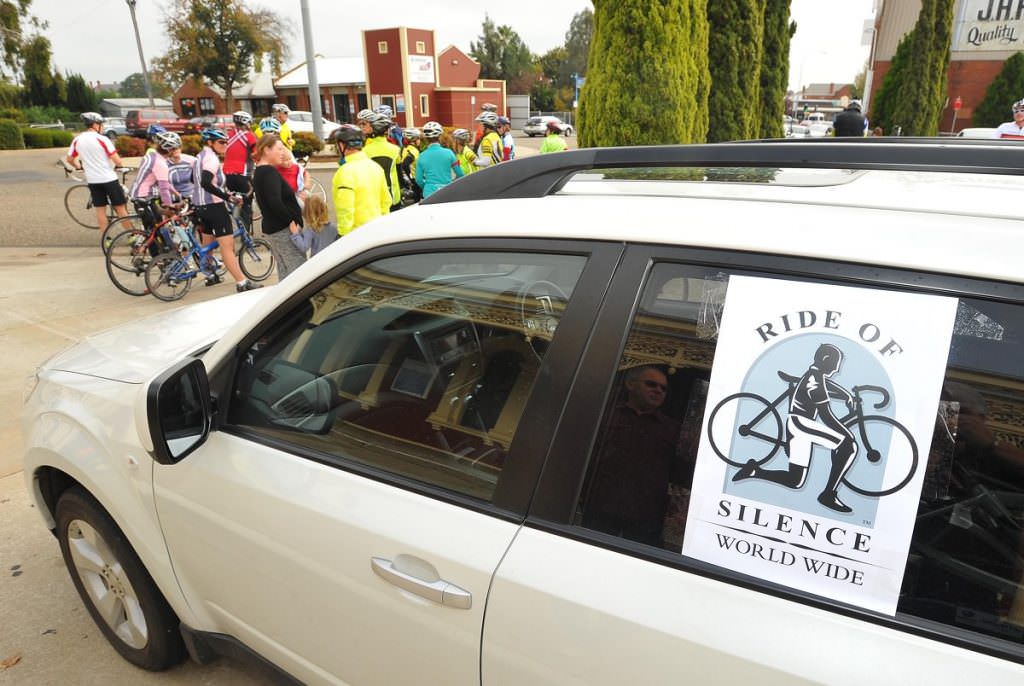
(437,166)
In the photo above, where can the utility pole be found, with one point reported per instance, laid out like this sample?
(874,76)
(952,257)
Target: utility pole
(314,85)
(142,60)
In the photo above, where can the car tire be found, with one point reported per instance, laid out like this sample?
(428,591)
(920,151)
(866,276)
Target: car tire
(569,131)
(117,590)
(112,135)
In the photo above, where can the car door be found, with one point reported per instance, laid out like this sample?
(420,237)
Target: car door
(378,443)
(584,598)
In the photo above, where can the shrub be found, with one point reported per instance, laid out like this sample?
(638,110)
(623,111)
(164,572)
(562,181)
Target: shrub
(37,138)
(62,138)
(129,146)
(191,145)
(306,144)
(12,113)
(50,115)
(10,135)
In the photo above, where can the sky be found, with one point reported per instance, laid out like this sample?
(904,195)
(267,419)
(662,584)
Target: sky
(95,38)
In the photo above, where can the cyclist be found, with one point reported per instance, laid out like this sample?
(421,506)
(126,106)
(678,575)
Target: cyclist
(850,122)
(1015,128)
(209,197)
(152,181)
(480,130)
(437,165)
(98,157)
(812,422)
(179,172)
(359,187)
(508,144)
(238,163)
(490,150)
(280,112)
(463,151)
(363,122)
(385,153)
(553,142)
(395,133)
(152,131)
(407,160)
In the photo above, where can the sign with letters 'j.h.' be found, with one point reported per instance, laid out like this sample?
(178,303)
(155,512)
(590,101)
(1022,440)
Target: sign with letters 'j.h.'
(819,418)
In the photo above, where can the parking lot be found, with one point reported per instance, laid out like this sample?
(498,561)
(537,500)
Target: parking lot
(54,292)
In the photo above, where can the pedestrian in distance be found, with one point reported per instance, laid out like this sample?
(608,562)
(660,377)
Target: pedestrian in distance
(1015,128)
(96,155)
(553,141)
(850,122)
(282,215)
(359,187)
(438,166)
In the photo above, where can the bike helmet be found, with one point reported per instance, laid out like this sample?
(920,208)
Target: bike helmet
(365,115)
(411,134)
(488,107)
(854,105)
(270,125)
(385,110)
(432,130)
(349,136)
(504,121)
(168,140)
(461,135)
(379,123)
(488,119)
(280,107)
(208,135)
(92,118)
(555,127)
(242,118)
(153,130)
(1017,106)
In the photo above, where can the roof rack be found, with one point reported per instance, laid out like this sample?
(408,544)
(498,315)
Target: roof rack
(541,175)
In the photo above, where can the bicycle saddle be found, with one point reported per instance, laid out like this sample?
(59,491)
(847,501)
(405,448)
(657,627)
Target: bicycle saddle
(788,378)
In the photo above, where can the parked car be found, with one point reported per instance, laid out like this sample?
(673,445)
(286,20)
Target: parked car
(978,132)
(114,127)
(538,126)
(223,122)
(573,454)
(299,120)
(138,121)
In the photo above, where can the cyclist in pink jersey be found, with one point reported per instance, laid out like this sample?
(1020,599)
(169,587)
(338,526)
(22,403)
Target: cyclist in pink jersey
(153,179)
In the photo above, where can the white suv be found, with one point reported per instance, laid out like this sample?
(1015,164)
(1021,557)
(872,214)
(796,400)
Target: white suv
(748,413)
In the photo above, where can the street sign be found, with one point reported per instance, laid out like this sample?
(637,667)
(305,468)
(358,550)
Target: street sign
(958,103)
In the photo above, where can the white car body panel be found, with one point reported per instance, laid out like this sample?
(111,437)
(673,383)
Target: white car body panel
(295,539)
(599,617)
(299,120)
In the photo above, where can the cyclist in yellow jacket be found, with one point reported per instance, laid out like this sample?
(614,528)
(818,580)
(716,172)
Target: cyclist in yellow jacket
(407,160)
(359,188)
(490,150)
(463,151)
(385,153)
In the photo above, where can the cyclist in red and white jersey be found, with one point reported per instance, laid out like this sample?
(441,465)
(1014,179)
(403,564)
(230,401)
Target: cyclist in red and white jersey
(238,163)
(98,157)
(1015,128)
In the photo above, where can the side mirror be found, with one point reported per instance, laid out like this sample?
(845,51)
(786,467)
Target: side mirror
(179,411)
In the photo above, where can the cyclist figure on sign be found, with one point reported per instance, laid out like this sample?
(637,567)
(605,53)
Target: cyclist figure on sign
(812,422)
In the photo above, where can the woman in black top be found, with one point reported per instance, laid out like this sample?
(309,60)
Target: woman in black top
(278,203)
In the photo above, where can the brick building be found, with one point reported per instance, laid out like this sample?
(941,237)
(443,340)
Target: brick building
(985,34)
(342,82)
(193,99)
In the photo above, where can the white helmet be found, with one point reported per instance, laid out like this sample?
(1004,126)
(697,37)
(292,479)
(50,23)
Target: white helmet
(488,107)
(411,134)
(385,110)
(168,140)
(461,135)
(488,119)
(242,118)
(280,107)
(1017,106)
(92,118)
(365,115)
(432,130)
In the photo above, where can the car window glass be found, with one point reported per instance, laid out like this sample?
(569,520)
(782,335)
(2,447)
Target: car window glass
(419,365)
(966,555)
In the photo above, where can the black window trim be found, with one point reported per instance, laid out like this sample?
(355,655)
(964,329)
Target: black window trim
(562,478)
(543,408)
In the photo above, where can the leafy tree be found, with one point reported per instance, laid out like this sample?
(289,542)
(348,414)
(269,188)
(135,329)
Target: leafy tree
(922,90)
(857,91)
(577,48)
(735,56)
(14,18)
(1006,88)
(42,84)
(134,85)
(502,54)
(80,95)
(883,103)
(774,68)
(647,75)
(221,41)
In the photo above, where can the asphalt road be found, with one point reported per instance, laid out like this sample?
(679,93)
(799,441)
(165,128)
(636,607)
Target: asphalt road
(54,291)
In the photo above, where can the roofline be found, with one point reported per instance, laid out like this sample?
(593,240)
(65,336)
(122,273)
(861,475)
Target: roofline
(541,175)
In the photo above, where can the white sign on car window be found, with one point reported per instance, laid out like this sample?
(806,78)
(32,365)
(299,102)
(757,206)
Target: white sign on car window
(819,418)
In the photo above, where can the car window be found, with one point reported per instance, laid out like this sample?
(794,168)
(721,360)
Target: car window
(418,365)
(966,553)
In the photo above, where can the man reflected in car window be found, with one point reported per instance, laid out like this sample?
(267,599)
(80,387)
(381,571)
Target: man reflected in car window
(637,459)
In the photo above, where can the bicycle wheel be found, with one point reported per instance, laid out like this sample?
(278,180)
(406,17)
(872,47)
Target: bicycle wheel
(169,276)
(750,411)
(890,471)
(78,203)
(127,258)
(255,259)
(130,223)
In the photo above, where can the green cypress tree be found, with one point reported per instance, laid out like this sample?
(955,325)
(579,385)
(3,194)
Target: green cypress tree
(647,74)
(922,90)
(774,68)
(884,100)
(735,50)
(1006,88)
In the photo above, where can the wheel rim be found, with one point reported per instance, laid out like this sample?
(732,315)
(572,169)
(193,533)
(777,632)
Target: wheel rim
(107,584)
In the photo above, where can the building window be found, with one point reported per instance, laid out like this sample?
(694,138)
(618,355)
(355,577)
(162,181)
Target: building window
(424,105)
(188,107)
(421,47)
(293,102)
(382,47)
(206,106)
(388,100)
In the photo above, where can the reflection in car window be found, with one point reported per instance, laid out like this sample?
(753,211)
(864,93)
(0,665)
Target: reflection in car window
(419,365)
(966,559)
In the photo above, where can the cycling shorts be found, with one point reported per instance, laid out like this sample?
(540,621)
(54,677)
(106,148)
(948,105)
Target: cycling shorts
(214,219)
(109,193)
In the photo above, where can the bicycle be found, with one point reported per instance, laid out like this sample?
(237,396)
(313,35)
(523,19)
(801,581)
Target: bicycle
(752,413)
(128,254)
(78,198)
(169,275)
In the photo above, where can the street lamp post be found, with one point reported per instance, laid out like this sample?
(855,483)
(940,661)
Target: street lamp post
(142,60)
